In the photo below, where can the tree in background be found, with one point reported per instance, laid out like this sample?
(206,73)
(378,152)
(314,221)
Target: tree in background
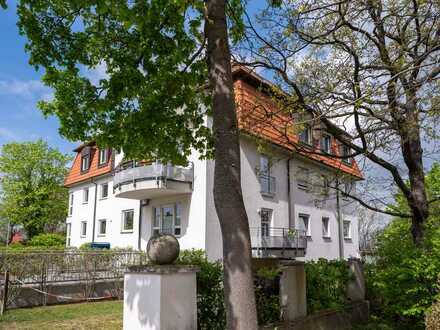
(167,66)
(32,193)
(402,281)
(373,66)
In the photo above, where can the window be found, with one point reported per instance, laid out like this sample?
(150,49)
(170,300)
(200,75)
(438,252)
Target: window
(346,152)
(85,195)
(306,135)
(266,220)
(303,178)
(85,162)
(83,228)
(102,227)
(348,187)
(68,231)
(267,183)
(127,220)
(325,227)
(167,219)
(326,142)
(347,229)
(104,190)
(71,204)
(304,224)
(103,156)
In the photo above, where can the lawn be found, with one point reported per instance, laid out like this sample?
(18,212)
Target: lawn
(89,316)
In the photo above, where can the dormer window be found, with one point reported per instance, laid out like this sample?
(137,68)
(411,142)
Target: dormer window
(85,163)
(326,142)
(345,153)
(103,156)
(306,135)
(85,159)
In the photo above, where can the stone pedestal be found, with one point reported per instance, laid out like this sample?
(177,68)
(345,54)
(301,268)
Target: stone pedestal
(160,297)
(356,287)
(293,291)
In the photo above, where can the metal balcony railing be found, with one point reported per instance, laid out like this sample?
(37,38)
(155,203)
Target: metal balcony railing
(277,238)
(267,184)
(135,171)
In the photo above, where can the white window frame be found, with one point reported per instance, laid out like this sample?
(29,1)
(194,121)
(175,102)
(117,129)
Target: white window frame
(157,226)
(303,178)
(123,221)
(308,227)
(71,204)
(103,156)
(325,189)
(83,229)
(326,227)
(100,233)
(86,193)
(323,145)
(266,222)
(348,236)
(348,187)
(308,129)
(85,165)
(346,151)
(68,233)
(102,190)
(267,182)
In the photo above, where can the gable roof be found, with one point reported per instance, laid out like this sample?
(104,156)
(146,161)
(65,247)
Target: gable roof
(259,115)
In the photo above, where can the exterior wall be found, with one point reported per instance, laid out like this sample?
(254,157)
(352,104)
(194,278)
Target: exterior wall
(305,202)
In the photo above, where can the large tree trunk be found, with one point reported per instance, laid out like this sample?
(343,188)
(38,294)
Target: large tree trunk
(228,199)
(413,156)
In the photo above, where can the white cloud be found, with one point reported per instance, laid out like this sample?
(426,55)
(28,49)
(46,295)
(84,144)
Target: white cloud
(97,73)
(25,88)
(7,134)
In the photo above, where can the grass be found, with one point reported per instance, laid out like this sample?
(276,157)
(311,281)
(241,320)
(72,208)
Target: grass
(105,315)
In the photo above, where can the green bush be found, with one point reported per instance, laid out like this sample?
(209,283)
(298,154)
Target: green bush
(48,240)
(402,280)
(326,284)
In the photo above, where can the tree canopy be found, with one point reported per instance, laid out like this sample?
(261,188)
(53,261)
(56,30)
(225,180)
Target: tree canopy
(32,192)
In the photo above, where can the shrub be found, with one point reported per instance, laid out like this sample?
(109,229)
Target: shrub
(47,240)
(326,284)
(402,280)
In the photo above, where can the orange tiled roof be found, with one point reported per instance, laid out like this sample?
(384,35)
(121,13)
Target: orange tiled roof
(257,115)
(75,175)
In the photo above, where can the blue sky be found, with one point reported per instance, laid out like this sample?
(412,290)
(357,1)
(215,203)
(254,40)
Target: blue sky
(21,89)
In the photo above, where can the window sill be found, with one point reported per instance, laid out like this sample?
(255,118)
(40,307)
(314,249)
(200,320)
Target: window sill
(84,203)
(103,165)
(83,236)
(101,235)
(127,231)
(303,188)
(267,194)
(103,198)
(348,239)
(327,238)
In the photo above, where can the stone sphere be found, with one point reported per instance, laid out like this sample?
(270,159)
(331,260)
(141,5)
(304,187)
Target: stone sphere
(163,249)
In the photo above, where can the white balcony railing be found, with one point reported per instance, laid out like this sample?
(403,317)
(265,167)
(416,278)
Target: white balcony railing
(132,172)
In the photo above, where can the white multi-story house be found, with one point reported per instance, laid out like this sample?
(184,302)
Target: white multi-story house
(292,208)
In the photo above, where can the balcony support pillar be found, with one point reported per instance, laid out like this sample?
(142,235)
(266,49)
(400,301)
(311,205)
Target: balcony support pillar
(293,291)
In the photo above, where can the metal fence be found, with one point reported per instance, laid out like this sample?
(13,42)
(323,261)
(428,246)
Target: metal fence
(278,238)
(54,267)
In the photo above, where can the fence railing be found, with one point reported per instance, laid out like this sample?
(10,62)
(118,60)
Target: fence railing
(266,237)
(49,267)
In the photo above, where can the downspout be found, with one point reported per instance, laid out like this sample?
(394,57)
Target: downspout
(94,210)
(289,201)
(140,224)
(340,225)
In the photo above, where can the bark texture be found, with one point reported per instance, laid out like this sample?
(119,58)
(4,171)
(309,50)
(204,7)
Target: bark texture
(228,199)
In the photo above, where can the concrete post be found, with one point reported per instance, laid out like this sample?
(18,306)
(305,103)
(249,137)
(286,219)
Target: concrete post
(293,291)
(160,298)
(356,286)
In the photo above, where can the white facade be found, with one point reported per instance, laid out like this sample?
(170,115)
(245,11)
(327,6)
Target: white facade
(191,215)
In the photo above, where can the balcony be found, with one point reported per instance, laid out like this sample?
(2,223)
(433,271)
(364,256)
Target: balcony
(136,180)
(275,242)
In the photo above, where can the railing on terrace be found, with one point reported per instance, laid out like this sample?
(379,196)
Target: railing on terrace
(277,238)
(68,266)
(135,171)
